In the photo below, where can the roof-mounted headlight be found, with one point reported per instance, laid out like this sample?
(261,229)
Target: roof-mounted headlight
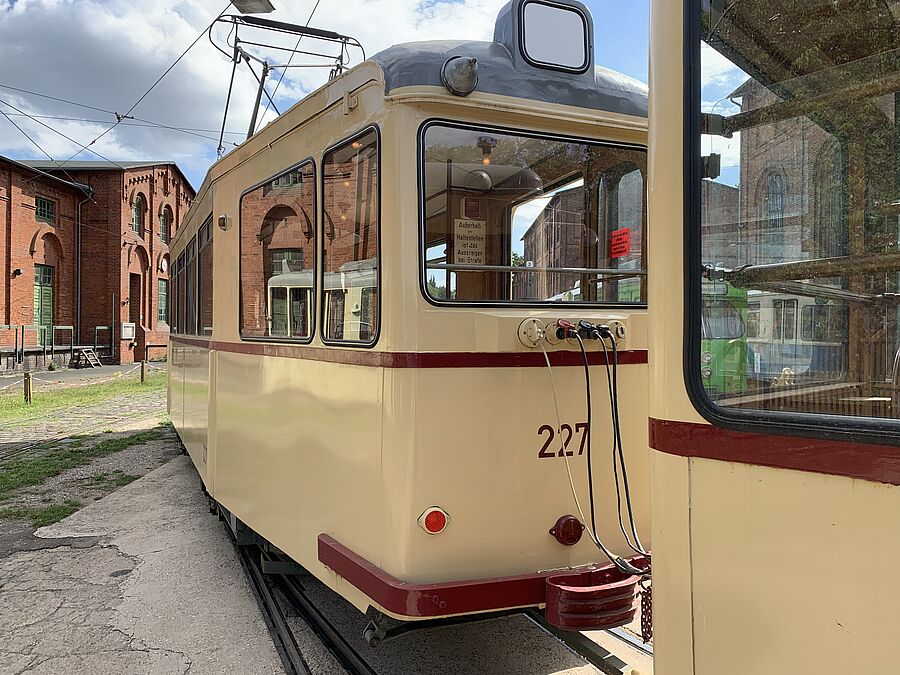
(460,75)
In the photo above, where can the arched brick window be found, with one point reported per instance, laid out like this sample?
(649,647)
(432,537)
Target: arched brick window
(137,215)
(165,225)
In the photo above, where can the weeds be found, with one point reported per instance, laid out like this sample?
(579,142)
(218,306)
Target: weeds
(20,473)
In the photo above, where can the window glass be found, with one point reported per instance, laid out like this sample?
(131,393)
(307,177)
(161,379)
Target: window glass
(181,297)
(162,306)
(45,210)
(799,193)
(165,219)
(278,256)
(350,256)
(524,219)
(137,215)
(190,288)
(205,280)
(555,36)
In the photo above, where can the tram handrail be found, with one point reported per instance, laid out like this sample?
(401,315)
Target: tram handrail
(465,267)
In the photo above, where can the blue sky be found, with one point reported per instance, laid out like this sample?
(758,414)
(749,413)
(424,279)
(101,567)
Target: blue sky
(621,35)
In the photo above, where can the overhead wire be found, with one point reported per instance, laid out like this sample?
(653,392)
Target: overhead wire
(138,121)
(290,60)
(120,118)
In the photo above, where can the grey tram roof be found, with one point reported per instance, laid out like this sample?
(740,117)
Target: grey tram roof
(503,70)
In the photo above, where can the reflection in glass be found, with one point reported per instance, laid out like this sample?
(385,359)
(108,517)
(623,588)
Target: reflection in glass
(802,222)
(350,206)
(278,256)
(516,218)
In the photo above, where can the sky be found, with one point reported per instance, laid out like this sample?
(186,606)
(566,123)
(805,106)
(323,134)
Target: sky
(105,54)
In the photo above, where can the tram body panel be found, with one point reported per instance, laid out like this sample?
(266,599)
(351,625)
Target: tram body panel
(299,452)
(755,569)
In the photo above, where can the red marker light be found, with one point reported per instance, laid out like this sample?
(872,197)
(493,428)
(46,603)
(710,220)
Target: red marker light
(567,530)
(434,520)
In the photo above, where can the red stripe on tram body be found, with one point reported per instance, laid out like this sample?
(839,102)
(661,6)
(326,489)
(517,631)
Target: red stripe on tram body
(360,357)
(880,463)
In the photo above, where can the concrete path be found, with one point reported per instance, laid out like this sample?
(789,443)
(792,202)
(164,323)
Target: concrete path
(142,581)
(44,378)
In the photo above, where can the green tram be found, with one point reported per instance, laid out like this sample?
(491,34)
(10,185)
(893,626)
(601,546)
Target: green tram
(723,360)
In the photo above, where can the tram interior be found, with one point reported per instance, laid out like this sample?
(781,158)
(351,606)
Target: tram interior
(800,205)
(522,219)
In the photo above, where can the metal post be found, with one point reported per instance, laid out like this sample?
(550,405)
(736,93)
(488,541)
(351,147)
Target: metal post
(259,93)
(143,371)
(28,384)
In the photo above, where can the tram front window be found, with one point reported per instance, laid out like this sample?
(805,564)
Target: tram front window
(518,218)
(799,197)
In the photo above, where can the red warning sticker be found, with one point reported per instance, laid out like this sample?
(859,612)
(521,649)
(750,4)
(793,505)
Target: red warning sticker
(620,243)
(472,208)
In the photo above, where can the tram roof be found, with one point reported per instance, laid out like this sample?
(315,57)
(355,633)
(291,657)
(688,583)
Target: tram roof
(505,67)
(419,63)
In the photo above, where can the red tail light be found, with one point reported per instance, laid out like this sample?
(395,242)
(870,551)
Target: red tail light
(434,520)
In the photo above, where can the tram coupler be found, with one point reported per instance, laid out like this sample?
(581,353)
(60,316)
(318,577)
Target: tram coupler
(375,632)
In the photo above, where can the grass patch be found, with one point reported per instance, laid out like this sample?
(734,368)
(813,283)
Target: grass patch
(20,473)
(41,516)
(13,408)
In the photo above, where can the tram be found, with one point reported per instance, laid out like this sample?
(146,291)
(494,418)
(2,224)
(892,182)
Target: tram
(725,332)
(774,513)
(417,277)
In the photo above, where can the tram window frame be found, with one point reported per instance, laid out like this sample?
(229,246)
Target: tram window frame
(323,253)
(876,430)
(530,133)
(267,186)
(205,254)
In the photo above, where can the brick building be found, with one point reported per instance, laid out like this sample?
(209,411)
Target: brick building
(87,248)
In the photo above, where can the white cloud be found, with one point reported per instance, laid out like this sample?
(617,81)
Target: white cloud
(106,53)
(717,71)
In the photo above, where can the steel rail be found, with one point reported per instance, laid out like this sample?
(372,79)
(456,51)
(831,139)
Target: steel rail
(273,615)
(267,587)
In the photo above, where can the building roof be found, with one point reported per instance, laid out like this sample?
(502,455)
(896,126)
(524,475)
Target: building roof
(100,165)
(24,164)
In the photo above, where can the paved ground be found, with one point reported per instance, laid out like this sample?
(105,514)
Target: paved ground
(142,581)
(77,420)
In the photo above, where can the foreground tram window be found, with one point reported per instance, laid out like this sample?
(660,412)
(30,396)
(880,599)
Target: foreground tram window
(799,207)
(350,248)
(278,257)
(518,218)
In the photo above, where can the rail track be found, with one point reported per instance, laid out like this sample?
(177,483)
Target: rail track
(278,587)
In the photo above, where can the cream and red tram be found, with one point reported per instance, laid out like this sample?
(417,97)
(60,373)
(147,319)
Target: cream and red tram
(384,266)
(774,153)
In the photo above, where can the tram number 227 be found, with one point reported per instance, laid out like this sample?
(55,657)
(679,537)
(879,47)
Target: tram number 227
(562,445)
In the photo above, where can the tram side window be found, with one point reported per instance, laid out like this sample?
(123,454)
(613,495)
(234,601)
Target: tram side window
(205,279)
(190,288)
(181,293)
(350,196)
(518,218)
(278,265)
(799,106)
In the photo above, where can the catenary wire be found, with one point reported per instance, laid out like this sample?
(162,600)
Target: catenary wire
(290,60)
(137,120)
(152,86)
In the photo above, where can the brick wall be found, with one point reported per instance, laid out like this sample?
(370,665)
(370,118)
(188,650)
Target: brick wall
(25,241)
(110,251)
